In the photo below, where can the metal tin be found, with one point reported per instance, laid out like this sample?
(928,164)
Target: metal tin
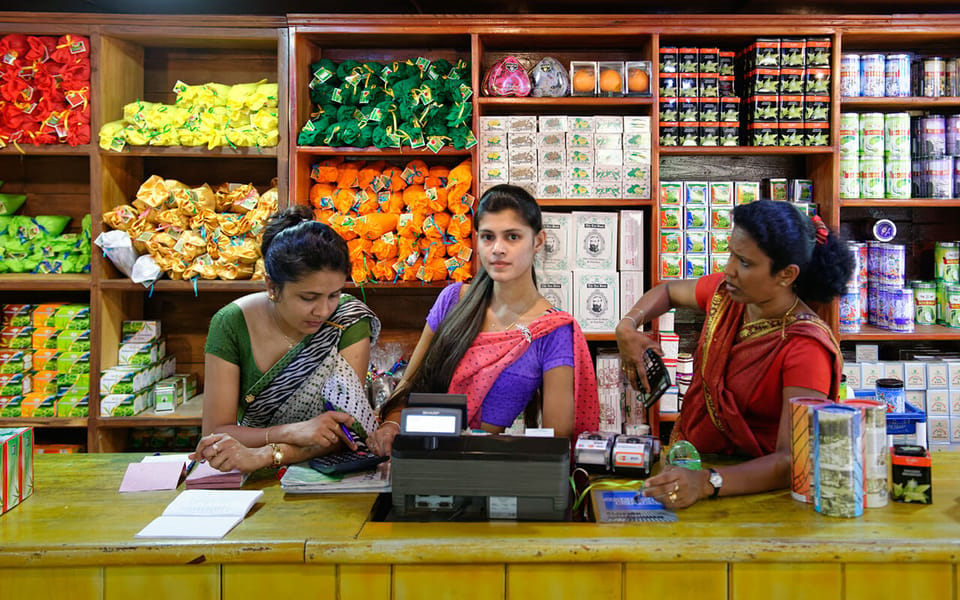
(890,393)
(838,484)
(896,175)
(941,299)
(874,258)
(883,306)
(875,450)
(858,276)
(849,134)
(952,77)
(933,140)
(850,312)
(956,176)
(918,185)
(850,176)
(896,81)
(801,429)
(925,302)
(871,176)
(872,75)
(952,135)
(938,174)
(934,77)
(850,74)
(894,257)
(951,316)
(873,303)
(884,230)
(946,261)
(864,299)
(896,134)
(870,130)
(901,310)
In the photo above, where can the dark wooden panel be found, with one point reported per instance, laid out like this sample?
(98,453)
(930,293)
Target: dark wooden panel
(214,171)
(726,168)
(54,185)
(163,67)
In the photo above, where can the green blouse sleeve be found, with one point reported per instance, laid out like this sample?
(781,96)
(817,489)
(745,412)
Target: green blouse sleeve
(227,337)
(356,332)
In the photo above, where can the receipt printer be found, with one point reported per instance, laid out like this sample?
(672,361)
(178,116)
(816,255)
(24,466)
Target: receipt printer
(481,477)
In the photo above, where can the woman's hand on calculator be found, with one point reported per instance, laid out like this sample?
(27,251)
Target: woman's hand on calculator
(631,344)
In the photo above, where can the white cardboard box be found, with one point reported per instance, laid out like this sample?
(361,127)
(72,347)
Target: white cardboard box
(557,253)
(937,374)
(608,124)
(557,288)
(954,430)
(499,124)
(872,371)
(893,370)
(915,375)
(522,124)
(955,403)
(916,399)
(854,375)
(521,140)
(867,353)
(631,240)
(596,305)
(552,123)
(953,374)
(938,429)
(665,322)
(595,235)
(938,402)
(631,288)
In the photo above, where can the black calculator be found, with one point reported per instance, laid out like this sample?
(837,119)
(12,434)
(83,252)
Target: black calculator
(657,377)
(347,461)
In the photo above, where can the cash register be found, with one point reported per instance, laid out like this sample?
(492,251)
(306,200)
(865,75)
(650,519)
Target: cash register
(439,468)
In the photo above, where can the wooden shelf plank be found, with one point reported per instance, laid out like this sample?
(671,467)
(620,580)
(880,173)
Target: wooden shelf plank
(196,151)
(188,414)
(67,282)
(913,102)
(905,202)
(169,285)
(46,150)
(669,417)
(922,332)
(44,422)
(601,337)
(529,102)
(593,202)
(743,150)
(379,152)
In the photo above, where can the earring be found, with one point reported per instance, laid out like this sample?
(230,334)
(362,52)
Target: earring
(271,297)
(783,284)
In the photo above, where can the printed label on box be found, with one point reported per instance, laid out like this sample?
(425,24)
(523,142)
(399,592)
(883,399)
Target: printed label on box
(596,300)
(596,240)
(557,288)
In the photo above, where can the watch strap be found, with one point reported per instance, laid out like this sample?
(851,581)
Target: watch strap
(716,488)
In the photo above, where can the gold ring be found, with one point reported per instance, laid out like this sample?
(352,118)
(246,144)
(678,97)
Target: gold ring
(676,487)
(672,496)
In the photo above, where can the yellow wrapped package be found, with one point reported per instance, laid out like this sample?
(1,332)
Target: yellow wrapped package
(204,96)
(138,112)
(269,200)
(266,96)
(121,217)
(172,218)
(375,225)
(386,247)
(231,271)
(207,220)
(269,138)
(232,224)
(141,231)
(191,245)
(110,132)
(213,244)
(238,249)
(202,266)
(239,95)
(259,271)
(222,193)
(167,135)
(191,135)
(265,119)
(243,198)
(136,136)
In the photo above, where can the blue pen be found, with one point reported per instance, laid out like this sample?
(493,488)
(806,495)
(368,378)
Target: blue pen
(328,406)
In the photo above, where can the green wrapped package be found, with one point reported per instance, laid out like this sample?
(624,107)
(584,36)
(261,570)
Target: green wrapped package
(11,203)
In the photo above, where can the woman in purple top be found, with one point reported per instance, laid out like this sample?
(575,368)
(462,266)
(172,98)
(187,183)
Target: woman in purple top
(498,340)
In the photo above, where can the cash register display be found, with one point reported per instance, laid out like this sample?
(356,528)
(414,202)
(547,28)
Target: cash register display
(432,424)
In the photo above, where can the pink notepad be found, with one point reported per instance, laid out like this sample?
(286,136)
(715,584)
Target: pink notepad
(148,476)
(206,477)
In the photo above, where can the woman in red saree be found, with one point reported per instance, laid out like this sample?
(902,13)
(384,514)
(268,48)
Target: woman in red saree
(498,340)
(761,344)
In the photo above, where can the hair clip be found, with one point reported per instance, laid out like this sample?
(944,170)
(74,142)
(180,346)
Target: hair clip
(822,230)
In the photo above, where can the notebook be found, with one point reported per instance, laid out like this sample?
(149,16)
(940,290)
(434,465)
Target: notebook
(208,514)
(301,479)
(205,477)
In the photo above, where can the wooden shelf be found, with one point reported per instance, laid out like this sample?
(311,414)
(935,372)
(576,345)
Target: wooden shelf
(669,417)
(909,103)
(566,101)
(68,282)
(203,285)
(46,150)
(196,151)
(601,337)
(744,150)
(401,286)
(905,202)
(595,202)
(378,152)
(187,414)
(922,332)
(44,422)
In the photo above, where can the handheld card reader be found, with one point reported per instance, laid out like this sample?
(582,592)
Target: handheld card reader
(657,377)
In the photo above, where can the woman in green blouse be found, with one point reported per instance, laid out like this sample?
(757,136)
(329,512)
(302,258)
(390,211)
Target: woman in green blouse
(285,367)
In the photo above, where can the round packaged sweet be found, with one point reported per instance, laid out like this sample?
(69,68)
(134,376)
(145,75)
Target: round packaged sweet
(506,77)
(549,79)
(884,230)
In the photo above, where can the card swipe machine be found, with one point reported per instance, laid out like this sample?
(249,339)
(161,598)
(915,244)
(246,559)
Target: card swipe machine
(494,477)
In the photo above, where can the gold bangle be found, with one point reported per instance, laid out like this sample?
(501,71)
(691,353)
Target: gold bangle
(266,437)
(393,422)
(277,455)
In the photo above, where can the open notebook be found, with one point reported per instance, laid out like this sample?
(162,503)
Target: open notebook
(202,514)
(206,477)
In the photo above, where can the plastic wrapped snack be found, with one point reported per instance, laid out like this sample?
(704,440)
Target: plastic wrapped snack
(120,217)
(549,78)
(506,77)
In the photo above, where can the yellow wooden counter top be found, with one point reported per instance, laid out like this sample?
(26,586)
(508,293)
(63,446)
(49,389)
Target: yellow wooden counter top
(77,517)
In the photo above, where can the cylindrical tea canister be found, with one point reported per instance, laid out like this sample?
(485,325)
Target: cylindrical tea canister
(837,461)
(874,424)
(801,426)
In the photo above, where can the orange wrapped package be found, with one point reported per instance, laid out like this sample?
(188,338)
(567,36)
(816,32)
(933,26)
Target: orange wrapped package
(462,273)
(437,176)
(460,249)
(343,225)
(410,272)
(460,227)
(344,199)
(415,172)
(390,202)
(435,225)
(383,270)
(349,174)
(387,246)
(407,247)
(395,182)
(414,198)
(366,176)
(436,197)
(326,171)
(459,201)
(433,269)
(321,195)
(323,215)
(367,202)
(374,225)
(408,225)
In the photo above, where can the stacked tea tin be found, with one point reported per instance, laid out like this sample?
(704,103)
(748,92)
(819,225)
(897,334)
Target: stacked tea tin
(935,162)
(946,269)
(875,155)
(898,75)
(889,303)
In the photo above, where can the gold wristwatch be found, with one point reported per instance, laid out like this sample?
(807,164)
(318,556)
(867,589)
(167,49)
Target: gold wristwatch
(277,455)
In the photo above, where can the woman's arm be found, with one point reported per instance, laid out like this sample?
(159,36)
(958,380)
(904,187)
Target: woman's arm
(761,474)
(358,355)
(558,401)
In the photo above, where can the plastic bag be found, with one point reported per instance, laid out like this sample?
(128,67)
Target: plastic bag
(118,247)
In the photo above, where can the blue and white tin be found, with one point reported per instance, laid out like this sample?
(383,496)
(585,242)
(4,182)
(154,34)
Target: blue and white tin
(872,75)
(897,75)
(902,311)
(850,311)
(850,74)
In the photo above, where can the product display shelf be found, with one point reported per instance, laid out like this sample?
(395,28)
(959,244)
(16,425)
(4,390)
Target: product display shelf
(939,333)
(68,282)
(744,150)
(197,151)
(905,103)
(187,414)
(900,202)
(169,285)
(45,422)
(26,149)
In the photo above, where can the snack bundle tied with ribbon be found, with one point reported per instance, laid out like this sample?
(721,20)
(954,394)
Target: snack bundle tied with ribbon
(44,89)
(409,223)
(211,115)
(416,103)
(190,232)
(39,245)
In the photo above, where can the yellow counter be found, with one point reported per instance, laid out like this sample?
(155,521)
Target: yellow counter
(73,539)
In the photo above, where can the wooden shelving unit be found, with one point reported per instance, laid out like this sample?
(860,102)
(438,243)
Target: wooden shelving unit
(141,57)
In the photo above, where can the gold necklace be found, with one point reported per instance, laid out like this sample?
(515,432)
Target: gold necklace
(290,342)
(519,316)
